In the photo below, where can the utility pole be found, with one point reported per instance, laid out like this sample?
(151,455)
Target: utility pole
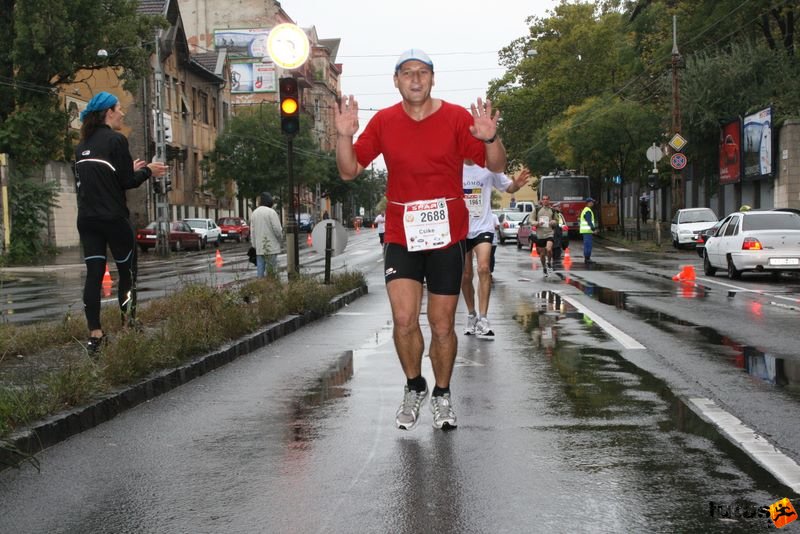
(6,222)
(677,176)
(162,245)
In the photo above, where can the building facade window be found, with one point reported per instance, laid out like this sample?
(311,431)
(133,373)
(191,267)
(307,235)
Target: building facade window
(204,107)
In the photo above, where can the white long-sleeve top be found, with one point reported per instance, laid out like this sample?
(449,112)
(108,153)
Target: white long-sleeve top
(266,232)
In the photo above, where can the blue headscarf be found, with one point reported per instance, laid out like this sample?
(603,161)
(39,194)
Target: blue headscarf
(99,102)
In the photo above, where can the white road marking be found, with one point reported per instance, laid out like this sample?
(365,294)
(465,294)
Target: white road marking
(624,339)
(785,306)
(757,447)
(745,290)
(619,249)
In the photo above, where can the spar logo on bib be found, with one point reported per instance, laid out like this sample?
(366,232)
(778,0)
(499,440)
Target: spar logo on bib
(424,206)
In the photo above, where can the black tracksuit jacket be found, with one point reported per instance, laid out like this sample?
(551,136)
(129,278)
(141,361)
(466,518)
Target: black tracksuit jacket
(103,171)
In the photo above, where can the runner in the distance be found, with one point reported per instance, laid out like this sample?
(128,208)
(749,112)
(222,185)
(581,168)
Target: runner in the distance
(544,216)
(478,184)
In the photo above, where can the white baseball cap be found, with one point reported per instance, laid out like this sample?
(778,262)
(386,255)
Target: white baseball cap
(413,54)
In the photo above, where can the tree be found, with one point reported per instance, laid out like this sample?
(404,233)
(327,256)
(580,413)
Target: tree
(580,51)
(252,153)
(607,136)
(45,44)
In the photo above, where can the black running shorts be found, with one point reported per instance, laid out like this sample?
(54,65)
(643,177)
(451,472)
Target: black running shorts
(439,269)
(542,243)
(485,237)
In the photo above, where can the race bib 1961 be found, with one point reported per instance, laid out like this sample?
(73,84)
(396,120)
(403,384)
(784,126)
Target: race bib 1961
(474,200)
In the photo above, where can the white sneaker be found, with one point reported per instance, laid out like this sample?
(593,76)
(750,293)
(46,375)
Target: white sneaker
(472,320)
(407,414)
(483,330)
(443,415)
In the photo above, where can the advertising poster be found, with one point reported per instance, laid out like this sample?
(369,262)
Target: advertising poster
(264,78)
(730,152)
(757,145)
(250,43)
(253,78)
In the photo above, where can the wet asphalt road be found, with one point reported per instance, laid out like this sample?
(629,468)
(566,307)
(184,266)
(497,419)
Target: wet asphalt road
(578,417)
(48,292)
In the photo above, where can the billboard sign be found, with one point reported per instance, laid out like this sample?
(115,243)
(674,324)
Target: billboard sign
(253,78)
(730,152)
(243,43)
(757,145)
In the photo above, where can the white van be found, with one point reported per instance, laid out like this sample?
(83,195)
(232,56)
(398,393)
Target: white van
(525,206)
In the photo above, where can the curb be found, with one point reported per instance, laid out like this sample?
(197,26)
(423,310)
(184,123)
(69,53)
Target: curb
(59,427)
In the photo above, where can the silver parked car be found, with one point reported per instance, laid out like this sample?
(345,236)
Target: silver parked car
(760,241)
(509,224)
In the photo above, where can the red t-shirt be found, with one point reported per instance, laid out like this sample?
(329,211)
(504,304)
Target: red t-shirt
(424,159)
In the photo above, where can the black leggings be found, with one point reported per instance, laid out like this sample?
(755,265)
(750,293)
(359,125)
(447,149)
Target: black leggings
(96,237)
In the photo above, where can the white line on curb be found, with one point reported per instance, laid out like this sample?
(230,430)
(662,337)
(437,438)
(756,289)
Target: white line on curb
(757,447)
(624,339)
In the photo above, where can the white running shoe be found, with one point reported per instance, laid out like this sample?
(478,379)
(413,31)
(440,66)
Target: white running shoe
(407,414)
(483,330)
(472,320)
(443,415)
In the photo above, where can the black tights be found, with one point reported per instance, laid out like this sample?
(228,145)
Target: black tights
(96,237)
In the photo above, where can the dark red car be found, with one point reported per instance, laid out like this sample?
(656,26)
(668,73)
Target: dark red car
(181,236)
(234,229)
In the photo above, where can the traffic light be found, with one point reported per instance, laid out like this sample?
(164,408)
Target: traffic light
(290,105)
(167,184)
(157,189)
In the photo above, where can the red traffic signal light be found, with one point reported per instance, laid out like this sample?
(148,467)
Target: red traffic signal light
(290,105)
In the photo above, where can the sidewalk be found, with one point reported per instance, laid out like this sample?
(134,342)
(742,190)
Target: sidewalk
(643,240)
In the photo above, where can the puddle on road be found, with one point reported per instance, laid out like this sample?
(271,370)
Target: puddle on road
(632,415)
(303,410)
(772,369)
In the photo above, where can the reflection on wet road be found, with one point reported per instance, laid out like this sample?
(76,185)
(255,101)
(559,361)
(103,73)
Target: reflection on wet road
(773,369)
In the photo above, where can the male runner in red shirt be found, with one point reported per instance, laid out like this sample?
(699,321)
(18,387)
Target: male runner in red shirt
(424,142)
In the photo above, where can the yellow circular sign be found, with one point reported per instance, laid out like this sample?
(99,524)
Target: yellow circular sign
(288,46)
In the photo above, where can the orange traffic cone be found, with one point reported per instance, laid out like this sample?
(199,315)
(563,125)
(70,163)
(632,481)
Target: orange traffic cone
(534,252)
(358,229)
(106,283)
(308,239)
(218,260)
(687,274)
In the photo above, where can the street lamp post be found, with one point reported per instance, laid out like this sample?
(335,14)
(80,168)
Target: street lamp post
(677,177)
(162,244)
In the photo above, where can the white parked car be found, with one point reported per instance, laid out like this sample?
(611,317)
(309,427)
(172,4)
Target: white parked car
(760,241)
(688,223)
(208,230)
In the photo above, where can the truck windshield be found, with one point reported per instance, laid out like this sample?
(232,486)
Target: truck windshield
(561,188)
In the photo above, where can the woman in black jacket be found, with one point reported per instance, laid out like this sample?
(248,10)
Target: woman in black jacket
(104,169)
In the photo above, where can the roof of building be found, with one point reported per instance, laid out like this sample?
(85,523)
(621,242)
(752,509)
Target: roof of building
(152,7)
(332,45)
